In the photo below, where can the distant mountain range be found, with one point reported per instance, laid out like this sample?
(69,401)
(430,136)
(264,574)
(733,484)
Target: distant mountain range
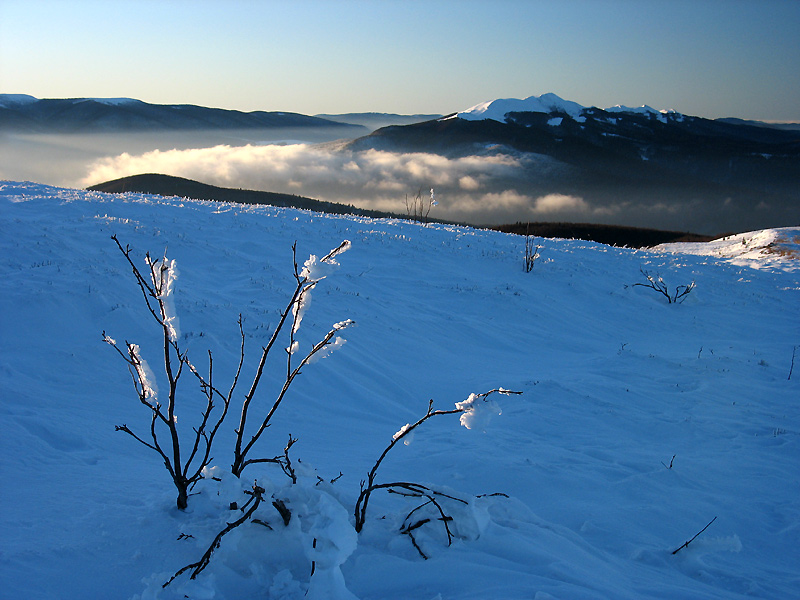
(619,155)
(25,114)
(572,133)
(373,120)
(499,110)
(629,164)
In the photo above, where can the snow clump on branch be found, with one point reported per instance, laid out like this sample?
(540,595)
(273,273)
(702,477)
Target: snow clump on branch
(163,273)
(477,411)
(143,371)
(328,349)
(314,270)
(402,432)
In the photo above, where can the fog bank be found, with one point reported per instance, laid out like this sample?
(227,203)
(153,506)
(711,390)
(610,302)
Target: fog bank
(491,187)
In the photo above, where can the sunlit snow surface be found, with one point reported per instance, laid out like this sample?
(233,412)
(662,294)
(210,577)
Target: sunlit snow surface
(768,249)
(640,421)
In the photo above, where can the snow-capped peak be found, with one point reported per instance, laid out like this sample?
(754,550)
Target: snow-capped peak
(643,109)
(498,109)
(548,104)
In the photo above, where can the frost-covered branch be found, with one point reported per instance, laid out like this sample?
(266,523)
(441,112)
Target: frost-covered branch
(475,411)
(157,290)
(314,270)
(531,250)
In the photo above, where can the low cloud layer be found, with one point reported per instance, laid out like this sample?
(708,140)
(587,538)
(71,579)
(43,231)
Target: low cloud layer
(478,189)
(491,187)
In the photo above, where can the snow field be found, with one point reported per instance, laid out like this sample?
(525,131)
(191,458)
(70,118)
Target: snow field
(615,384)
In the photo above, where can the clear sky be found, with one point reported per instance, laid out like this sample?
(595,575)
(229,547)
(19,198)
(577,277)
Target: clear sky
(711,58)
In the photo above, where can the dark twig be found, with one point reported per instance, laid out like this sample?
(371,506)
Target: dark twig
(286,464)
(410,533)
(257,497)
(695,535)
(409,528)
(184,469)
(418,209)
(283,510)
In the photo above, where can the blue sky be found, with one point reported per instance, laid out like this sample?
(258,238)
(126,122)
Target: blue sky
(711,58)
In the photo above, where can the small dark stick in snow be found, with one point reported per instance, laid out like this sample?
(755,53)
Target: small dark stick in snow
(695,535)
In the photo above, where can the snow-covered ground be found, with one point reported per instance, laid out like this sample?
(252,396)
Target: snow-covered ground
(639,422)
(767,249)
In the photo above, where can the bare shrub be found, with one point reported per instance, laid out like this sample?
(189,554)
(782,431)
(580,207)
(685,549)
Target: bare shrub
(417,208)
(185,462)
(531,250)
(656,282)
(468,409)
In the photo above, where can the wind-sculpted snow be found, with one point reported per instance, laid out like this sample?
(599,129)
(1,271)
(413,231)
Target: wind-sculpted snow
(639,421)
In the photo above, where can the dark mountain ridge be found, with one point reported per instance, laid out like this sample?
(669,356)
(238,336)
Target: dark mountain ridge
(631,139)
(87,115)
(168,185)
(626,158)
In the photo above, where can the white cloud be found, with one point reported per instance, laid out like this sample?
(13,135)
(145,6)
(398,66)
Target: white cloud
(371,178)
(477,189)
(467,182)
(505,200)
(275,166)
(559,203)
